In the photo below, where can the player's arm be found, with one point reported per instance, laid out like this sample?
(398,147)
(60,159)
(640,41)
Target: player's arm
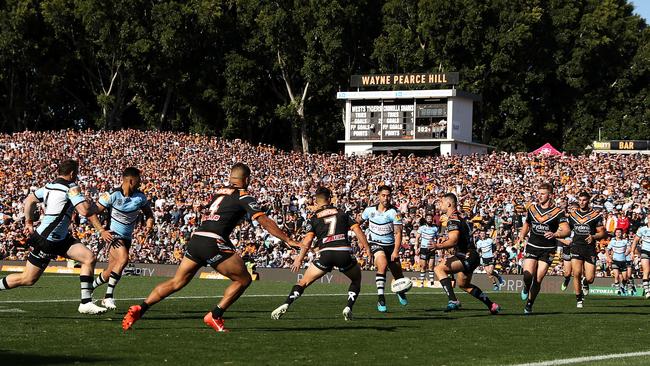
(149,220)
(417,242)
(522,234)
(564,241)
(85,208)
(450,242)
(635,242)
(600,234)
(273,229)
(363,241)
(304,247)
(628,249)
(563,231)
(29,204)
(398,241)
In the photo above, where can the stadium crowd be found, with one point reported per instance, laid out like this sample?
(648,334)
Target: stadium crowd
(181,170)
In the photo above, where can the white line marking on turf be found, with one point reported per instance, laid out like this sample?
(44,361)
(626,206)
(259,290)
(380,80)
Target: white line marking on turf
(12,310)
(568,361)
(197,297)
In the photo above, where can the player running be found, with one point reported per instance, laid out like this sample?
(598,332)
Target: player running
(617,251)
(565,249)
(485,247)
(53,238)
(545,222)
(643,236)
(464,262)
(425,236)
(210,245)
(330,227)
(385,237)
(124,205)
(587,227)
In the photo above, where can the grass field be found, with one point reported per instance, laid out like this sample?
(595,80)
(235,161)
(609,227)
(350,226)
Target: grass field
(40,325)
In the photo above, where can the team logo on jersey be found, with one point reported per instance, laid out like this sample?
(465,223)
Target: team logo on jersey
(119,202)
(373,214)
(255,206)
(398,217)
(75,191)
(105,196)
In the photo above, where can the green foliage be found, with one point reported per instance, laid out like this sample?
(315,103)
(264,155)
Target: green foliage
(547,70)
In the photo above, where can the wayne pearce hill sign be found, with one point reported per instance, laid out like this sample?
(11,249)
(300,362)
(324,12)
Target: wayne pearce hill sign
(359,81)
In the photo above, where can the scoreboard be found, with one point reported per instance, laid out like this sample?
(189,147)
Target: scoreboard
(397,121)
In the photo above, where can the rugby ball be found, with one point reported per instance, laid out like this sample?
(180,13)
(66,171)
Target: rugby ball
(401,285)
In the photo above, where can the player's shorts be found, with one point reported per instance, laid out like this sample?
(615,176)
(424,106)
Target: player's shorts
(43,250)
(619,265)
(470,261)
(645,254)
(566,253)
(378,248)
(628,263)
(119,242)
(488,261)
(208,250)
(344,260)
(585,253)
(427,254)
(540,254)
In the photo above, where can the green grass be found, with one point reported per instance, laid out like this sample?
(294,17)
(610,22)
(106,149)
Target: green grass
(313,332)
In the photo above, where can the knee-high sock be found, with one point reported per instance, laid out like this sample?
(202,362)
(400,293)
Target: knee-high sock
(477,293)
(353,294)
(446,285)
(99,281)
(534,290)
(112,282)
(296,292)
(86,289)
(380,280)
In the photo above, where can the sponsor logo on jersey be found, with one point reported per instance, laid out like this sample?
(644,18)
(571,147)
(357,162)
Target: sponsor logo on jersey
(540,228)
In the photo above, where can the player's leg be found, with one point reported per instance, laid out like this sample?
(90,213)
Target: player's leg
(354,274)
(30,274)
(630,279)
(442,270)
(234,268)
(423,268)
(432,264)
(566,271)
(577,266)
(381,262)
(616,275)
(536,285)
(645,265)
(184,274)
(118,258)
(312,274)
(86,258)
(530,269)
(465,283)
(489,269)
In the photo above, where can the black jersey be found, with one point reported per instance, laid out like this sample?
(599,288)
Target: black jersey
(226,209)
(583,224)
(542,220)
(330,225)
(465,243)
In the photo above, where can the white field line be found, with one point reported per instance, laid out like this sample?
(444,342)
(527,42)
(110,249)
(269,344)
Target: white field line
(199,297)
(568,361)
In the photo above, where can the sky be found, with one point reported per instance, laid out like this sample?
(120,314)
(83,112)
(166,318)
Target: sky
(642,7)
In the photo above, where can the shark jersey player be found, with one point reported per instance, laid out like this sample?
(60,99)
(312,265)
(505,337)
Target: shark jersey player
(643,237)
(330,227)
(464,262)
(52,237)
(210,245)
(125,205)
(546,223)
(384,238)
(617,251)
(587,227)
(427,233)
(485,247)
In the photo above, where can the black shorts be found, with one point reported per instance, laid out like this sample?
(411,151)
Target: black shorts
(43,250)
(566,253)
(488,261)
(206,250)
(328,259)
(619,265)
(427,254)
(540,254)
(585,253)
(118,242)
(470,261)
(378,248)
(645,254)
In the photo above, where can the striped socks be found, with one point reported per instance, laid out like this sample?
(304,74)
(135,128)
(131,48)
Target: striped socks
(3,284)
(112,282)
(380,280)
(86,289)
(99,281)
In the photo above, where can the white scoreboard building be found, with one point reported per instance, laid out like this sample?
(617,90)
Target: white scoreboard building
(437,121)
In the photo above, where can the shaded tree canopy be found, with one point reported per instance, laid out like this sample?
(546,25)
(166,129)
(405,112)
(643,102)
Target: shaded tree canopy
(268,71)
